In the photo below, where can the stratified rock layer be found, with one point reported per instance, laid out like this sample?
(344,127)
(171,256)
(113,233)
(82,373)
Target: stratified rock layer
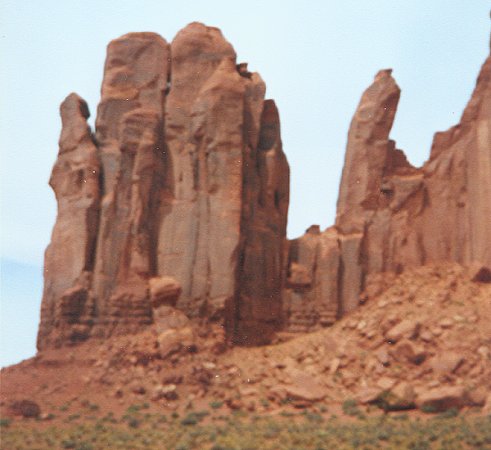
(392,216)
(185,180)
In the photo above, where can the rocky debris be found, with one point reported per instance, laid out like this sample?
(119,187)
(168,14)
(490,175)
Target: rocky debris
(187,212)
(350,361)
(25,408)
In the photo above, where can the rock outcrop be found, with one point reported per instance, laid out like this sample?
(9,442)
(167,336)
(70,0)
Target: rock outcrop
(391,215)
(184,180)
(175,209)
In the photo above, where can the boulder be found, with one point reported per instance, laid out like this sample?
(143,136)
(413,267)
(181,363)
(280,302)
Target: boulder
(164,291)
(407,351)
(405,328)
(25,408)
(174,341)
(442,398)
(446,363)
(167,318)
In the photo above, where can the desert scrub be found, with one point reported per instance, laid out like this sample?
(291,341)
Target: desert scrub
(350,408)
(5,423)
(266,433)
(216,404)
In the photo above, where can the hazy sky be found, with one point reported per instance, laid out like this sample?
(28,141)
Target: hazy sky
(316,58)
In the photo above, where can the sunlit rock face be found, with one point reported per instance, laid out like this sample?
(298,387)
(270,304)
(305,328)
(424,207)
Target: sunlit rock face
(391,215)
(184,179)
(175,209)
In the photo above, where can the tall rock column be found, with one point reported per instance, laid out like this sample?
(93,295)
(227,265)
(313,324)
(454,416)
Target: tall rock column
(129,132)
(218,170)
(366,157)
(67,306)
(257,309)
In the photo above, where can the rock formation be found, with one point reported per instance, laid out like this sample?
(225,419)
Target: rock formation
(179,199)
(391,215)
(176,208)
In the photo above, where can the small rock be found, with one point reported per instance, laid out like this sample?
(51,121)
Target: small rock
(173,340)
(138,389)
(169,392)
(386,383)
(208,365)
(304,387)
(446,363)
(401,397)
(483,351)
(446,323)
(383,356)
(426,336)
(477,396)
(234,403)
(334,365)
(167,318)
(436,331)
(368,395)
(406,328)
(407,351)
(248,391)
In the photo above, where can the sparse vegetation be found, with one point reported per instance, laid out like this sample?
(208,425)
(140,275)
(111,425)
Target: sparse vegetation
(350,408)
(247,432)
(216,404)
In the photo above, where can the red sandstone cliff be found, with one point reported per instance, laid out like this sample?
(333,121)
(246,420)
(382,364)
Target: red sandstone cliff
(184,187)
(391,215)
(177,205)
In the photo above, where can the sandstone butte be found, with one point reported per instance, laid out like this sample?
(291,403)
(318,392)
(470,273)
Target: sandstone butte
(176,206)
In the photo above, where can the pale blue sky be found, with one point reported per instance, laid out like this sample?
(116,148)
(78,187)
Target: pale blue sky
(316,58)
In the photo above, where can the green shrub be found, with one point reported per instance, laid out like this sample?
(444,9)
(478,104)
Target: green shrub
(5,423)
(133,422)
(429,409)
(449,413)
(350,408)
(216,404)
(190,419)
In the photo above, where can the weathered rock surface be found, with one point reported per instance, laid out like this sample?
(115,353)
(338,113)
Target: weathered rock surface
(67,309)
(176,208)
(185,180)
(391,215)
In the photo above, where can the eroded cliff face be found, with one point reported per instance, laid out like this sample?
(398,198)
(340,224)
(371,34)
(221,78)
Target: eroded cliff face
(184,186)
(176,207)
(391,215)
